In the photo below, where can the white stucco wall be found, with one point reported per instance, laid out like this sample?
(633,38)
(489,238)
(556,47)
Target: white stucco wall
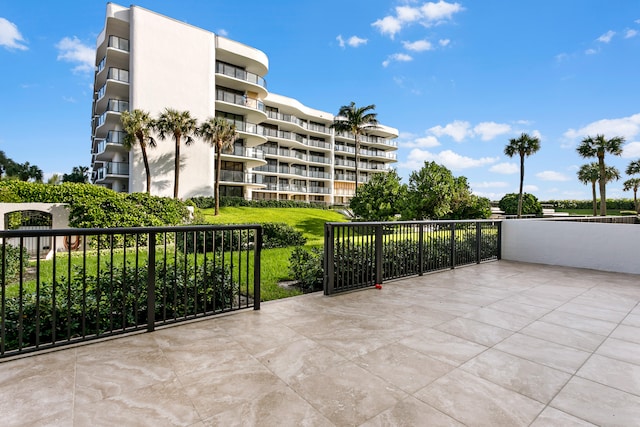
(172,66)
(608,247)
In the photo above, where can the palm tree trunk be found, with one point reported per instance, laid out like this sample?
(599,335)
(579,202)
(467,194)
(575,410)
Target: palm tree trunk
(216,187)
(603,185)
(357,159)
(146,166)
(521,185)
(176,173)
(595,200)
(635,200)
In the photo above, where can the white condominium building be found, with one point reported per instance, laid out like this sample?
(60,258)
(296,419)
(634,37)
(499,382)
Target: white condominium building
(285,150)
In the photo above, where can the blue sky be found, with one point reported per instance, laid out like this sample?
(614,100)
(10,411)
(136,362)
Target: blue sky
(458,79)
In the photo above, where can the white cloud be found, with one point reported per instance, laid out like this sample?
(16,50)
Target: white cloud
(69,99)
(428,14)
(493,184)
(552,176)
(489,195)
(448,158)
(630,33)
(10,37)
(429,141)
(505,168)
(591,51)
(631,150)
(627,127)
(606,37)
(530,188)
(73,50)
(444,42)
(418,45)
(458,130)
(340,40)
(222,32)
(355,41)
(489,130)
(397,57)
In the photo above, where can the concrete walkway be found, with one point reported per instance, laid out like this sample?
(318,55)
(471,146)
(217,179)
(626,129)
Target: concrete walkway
(498,344)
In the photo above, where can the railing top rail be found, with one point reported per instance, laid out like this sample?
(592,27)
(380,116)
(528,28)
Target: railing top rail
(435,221)
(125,230)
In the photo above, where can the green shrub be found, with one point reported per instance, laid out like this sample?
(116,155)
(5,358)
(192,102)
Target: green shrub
(530,204)
(209,202)
(280,235)
(306,267)
(12,258)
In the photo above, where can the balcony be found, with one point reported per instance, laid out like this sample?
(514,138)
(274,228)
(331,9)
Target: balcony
(112,170)
(369,139)
(251,108)
(253,134)
(250,156)
(238,73)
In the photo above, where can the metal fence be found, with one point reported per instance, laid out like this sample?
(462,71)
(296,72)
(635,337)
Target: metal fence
(94,283)
(363,254)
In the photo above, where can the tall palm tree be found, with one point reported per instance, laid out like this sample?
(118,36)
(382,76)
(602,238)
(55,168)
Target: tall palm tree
(590,173)
(221,134)
(180,125)
(633,168)
(356,121)
(598,147)
(137,125)
(633,184)
(524,146)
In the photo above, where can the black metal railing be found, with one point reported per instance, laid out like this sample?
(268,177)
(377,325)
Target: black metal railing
(83,284)
(362,254)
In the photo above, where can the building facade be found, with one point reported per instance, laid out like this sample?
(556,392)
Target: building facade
(285,150)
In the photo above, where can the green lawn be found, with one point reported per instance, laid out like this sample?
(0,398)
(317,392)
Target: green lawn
(589,212)
(275,262)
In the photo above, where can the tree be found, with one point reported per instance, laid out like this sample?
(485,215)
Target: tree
(429,193)
(180,125)
(589,174)
(633,184)
(633,168)
(524,146)
(598,147)
(137,125)
(221,134)
(55,179)
(356,121)
(465,204)
(530,205)
(78,174)
(380,198)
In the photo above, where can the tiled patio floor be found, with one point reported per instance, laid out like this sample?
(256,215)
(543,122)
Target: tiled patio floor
(499,344)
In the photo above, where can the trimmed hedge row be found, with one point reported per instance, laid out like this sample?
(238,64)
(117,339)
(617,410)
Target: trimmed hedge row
(209,202)
(621,204)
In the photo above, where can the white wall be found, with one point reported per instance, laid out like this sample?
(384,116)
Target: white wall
(608,247)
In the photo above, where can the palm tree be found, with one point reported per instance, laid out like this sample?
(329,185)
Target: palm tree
(633,168)
(221,134)
(633,184)
(589,174)
(525,146)
(598,147)
(180,125)
(137,125)
(356,121)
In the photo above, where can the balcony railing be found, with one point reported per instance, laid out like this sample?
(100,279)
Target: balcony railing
(117,105)
(360,255)
(321,175)
(97,283)
(101,64)
(370,139)
(119,43)
(319,190)
(113,168)
(118,74)
(240,74)
(234,98)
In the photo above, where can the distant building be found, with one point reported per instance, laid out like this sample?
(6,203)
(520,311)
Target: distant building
(286,150)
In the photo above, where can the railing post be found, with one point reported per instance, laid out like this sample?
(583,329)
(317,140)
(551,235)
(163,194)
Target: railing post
(478,241)
(256,269)
(421,249)
(329,271)
(151,283)
(378,255)
(499,240)
(453,245)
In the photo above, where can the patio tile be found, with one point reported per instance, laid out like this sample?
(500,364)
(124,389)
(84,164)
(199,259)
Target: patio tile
(632,320)
(531,379)
(472,330)
(424,316)
(550,354)
(268,336)
(573,307)
(565,336)
(347,394)
(407,369)
(605,298)
(527,310)
(501,319)
(411,412)
(551,417)
(280,407)
(581,323)
(160,404)
(476,401)
(614,373)
(292,362)
(36,387)
(620,350)
(443,347)
(627,333)
(598,404)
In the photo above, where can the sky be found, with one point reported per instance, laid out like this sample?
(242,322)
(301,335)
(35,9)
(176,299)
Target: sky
(458,79)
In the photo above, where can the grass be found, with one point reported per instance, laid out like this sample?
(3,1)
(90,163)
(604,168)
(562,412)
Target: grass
(589,212)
